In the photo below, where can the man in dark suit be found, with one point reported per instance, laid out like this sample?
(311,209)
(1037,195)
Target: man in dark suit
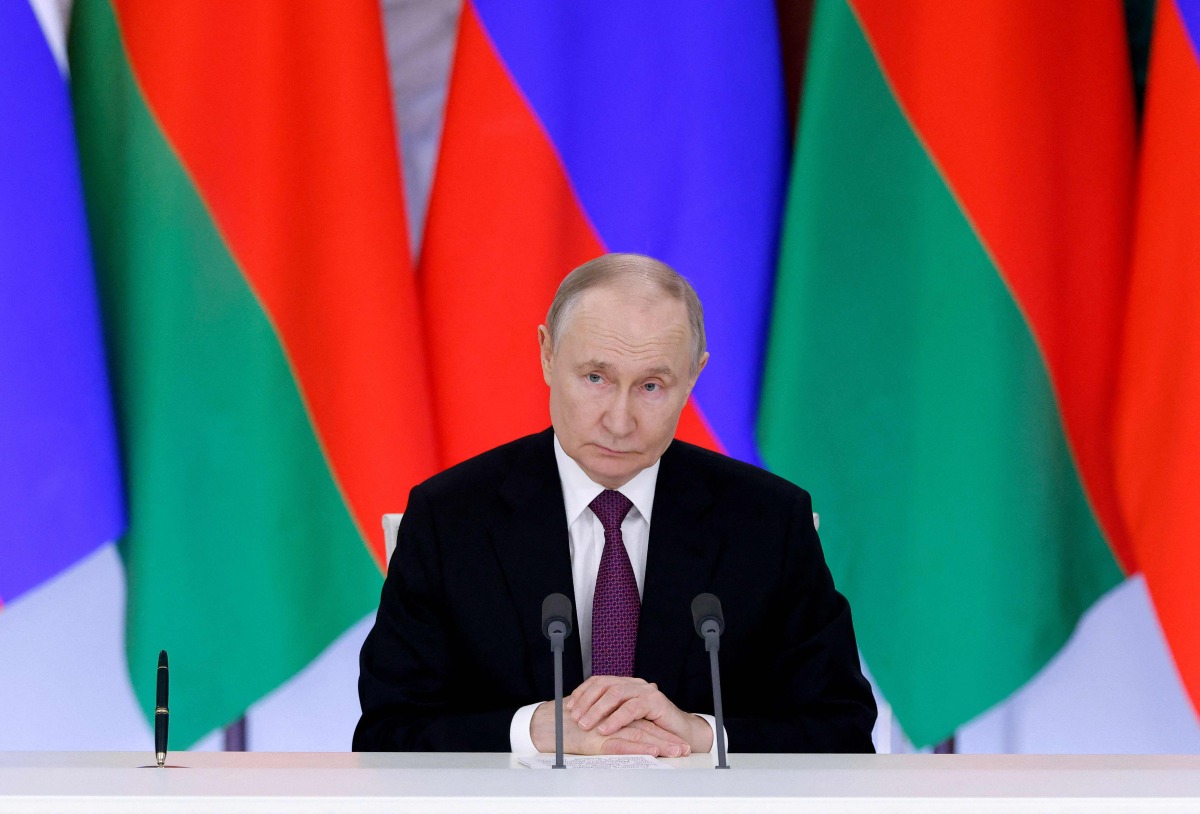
(457,660)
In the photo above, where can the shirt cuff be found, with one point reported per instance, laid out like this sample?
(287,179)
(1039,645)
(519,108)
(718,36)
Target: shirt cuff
(518,731)
(712,724)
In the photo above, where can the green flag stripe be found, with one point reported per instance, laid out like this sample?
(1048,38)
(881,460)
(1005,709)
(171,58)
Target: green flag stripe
(905,389)
(241,557)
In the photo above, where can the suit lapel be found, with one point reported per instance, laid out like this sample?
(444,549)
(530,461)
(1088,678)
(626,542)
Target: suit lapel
(679,565)
(534,552)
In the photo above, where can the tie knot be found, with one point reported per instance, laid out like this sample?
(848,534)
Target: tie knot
(611,507)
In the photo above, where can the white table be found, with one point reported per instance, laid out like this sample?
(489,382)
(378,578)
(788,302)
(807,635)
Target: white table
(394,783)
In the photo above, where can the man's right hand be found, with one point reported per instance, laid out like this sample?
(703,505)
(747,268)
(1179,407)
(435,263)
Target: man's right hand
(640,737)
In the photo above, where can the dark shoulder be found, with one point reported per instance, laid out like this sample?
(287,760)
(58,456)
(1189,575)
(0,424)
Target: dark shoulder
(531,455)
(725,475)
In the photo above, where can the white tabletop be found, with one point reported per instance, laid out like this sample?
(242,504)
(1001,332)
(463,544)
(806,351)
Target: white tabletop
(298,782)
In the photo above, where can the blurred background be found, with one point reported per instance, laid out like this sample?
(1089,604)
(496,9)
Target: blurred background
(264,266)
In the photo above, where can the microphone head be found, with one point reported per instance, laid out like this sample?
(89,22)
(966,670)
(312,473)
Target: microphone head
(556,608)
(706,607)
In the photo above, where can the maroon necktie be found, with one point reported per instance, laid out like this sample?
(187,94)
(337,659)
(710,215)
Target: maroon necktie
(615,606)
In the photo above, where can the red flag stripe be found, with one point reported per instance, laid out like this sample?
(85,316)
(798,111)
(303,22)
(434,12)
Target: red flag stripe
(1158,431)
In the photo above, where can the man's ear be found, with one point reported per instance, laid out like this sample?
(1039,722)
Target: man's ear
(699,368)
(546,351)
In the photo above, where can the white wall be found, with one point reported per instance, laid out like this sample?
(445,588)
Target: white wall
(63,683)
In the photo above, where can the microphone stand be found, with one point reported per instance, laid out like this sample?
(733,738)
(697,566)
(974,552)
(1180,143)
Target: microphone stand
(558,635)
(712,643)
(556,626)
(710,623)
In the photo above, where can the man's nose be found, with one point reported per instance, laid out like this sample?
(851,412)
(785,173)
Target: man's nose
(618,418)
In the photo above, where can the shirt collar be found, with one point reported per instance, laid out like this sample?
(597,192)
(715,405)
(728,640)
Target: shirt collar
(579,490)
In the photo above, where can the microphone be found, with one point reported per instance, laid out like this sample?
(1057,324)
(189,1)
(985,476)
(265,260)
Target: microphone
(556,626)
(710,624)
(707,617)
(556,616)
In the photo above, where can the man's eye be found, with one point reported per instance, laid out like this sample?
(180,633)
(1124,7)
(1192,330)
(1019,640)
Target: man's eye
(652,386)
(594,378)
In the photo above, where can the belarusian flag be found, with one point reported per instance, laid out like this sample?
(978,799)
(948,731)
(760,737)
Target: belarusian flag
(941,370)
(245,201)
(1158,435)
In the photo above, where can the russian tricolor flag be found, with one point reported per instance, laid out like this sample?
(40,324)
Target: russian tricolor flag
(577,128)
(60,489)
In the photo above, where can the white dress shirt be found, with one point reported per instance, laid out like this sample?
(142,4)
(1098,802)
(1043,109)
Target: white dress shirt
(586,534)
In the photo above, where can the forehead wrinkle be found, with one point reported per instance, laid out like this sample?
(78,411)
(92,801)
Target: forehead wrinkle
(630,340)
(673,334)
(655,350)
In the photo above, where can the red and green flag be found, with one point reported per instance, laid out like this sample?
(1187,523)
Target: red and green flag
(244,196)
(1158,428)
(942,360)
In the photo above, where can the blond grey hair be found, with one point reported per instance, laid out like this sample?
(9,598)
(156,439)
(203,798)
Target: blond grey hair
(619,268)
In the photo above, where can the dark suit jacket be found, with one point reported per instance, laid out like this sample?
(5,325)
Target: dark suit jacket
(457,644)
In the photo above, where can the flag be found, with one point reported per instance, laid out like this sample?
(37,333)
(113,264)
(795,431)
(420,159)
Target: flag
(1158,428)
(943,351)
(60,487)
(244,193)
(574,129)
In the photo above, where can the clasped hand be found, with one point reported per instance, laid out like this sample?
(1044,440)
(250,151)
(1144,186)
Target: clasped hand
(617,715)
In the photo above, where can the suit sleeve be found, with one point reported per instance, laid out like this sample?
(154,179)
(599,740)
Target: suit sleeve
(413,693)
(814,696)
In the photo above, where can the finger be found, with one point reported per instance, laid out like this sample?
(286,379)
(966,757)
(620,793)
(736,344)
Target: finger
(660,740)
(622,746)
(590,691)
(609,701)
(592,687)
(621,715)
(656,730)
(666,736)
(606,681)
(577,695)
(646,701)
(586,693)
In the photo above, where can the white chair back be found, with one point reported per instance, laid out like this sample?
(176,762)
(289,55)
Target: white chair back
(391,526)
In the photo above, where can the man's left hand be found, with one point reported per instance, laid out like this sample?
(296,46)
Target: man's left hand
(610,703)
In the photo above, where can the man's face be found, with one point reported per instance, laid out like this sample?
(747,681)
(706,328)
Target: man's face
(618,379)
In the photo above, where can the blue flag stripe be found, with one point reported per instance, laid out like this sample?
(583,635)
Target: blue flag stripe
(60,490)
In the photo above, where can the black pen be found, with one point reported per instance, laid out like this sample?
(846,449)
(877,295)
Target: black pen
(160,710)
